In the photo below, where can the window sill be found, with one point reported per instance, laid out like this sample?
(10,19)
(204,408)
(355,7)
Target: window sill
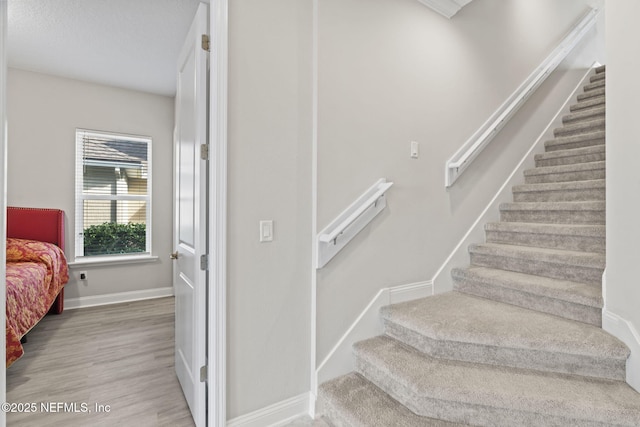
(113,260)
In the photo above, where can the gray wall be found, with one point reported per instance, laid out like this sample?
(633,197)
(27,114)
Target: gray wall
(269,162)
(622,296)
(393,71)
(43,113)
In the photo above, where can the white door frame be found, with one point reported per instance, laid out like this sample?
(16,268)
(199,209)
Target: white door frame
(217,281)
(3,186)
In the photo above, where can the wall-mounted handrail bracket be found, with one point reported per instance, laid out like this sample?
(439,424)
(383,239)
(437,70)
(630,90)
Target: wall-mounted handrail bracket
(350,222)
(459,162)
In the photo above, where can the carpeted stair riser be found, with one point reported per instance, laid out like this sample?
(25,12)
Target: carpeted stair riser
(352,401)
(598,76)
(523,292)
(554,213)
(591,94)
(492,396)
(501,334)
(564,173)
(596,101)
(594,153)
(585,267)
(562,191)
(585,115)
(580,127)
(585,238)
(594,85)
(575,141)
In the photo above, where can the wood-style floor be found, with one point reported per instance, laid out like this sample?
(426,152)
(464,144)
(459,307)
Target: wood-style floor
(119,355)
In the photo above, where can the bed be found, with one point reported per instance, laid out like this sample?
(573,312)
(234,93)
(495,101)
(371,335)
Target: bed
(36,271)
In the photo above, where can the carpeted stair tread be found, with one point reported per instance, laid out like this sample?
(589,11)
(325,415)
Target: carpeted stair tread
(577,266)
(570,300)
(572,237)
(601,68)
(594,153)
(569,191)
(591,94)
(597,77)
(485,395)
(588,103)
(564,290)
(581,127)
(581,212)
(462,327)
(352,401)
(575,141)
(572,172)
(594,85)
(585,115)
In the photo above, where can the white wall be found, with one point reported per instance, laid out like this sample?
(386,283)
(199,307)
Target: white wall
(43,113)
(393,71)
(622,296)
(269,162)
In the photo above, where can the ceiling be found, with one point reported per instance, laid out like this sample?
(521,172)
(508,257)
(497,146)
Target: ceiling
(132,44)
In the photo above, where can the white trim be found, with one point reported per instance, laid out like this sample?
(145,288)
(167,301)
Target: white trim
(111,260)
(117,298)
(314,211)
(339,361)
(217,277)
(483,136)
(626,332)
(278,414)
(3,184)
(459,255)
(446,8)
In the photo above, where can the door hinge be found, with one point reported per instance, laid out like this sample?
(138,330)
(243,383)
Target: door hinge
(205,42)
(203,373)
(204,151)
(204,262)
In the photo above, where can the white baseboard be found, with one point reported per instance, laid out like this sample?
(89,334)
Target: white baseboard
(339,361)
(626,332)
(120,297)
(278,414)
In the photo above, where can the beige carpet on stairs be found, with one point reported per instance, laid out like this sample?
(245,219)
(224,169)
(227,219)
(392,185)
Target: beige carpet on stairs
(519,340)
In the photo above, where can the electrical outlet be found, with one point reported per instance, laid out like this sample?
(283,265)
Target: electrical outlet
(82,275)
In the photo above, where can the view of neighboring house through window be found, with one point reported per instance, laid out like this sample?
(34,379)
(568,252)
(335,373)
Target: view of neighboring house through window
(113,194)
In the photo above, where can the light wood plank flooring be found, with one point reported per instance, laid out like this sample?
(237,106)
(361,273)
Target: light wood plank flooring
(119,355)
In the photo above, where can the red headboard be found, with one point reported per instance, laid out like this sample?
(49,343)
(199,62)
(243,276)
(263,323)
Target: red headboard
(45,225)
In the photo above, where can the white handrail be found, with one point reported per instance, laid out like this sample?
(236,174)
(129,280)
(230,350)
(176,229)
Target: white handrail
(481,138)
(351,221)
(370,201)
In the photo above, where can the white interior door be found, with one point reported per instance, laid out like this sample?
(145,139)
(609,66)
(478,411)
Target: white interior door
(190,217)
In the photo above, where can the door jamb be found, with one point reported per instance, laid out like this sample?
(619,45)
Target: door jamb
(217,278)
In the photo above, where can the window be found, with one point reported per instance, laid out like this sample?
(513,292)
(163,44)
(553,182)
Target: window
(113,194)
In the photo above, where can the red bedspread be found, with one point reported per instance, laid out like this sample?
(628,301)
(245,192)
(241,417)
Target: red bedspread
(36,272)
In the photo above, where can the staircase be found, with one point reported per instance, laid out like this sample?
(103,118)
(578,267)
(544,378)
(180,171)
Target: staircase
(518,342)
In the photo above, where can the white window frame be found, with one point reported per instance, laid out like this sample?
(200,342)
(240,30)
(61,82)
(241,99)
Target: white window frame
(81,197)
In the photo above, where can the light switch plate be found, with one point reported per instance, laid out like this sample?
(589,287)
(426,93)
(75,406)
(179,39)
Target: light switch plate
(415,150)
(266,231)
